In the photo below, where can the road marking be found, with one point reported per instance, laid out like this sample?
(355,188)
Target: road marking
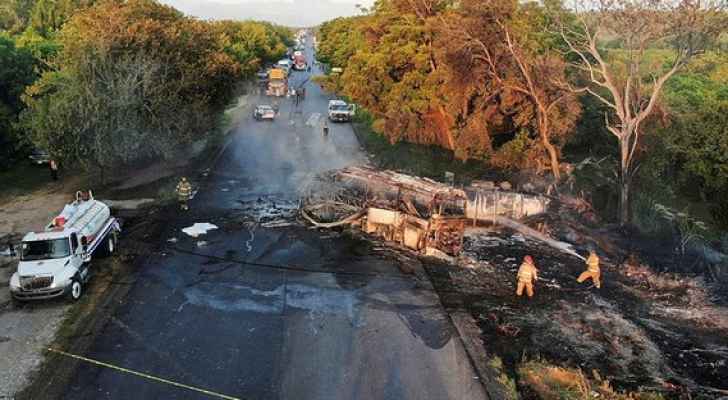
(146,376)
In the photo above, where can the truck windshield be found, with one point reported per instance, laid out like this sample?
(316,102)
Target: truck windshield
(340,107)
(46,249)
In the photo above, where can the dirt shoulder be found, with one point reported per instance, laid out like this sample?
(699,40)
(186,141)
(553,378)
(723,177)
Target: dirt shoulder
(25,331)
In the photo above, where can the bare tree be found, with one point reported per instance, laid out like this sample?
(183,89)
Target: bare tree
(629,77)
(537,82)
(538,76)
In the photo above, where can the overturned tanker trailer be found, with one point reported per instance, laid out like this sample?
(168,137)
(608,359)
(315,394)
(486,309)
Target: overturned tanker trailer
(419,213)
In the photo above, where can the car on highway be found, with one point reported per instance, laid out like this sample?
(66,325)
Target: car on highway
(263,112)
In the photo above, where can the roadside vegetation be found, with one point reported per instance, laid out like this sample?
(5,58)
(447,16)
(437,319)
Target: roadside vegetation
(517,86)
(107,85)
(551,382)
(429,161)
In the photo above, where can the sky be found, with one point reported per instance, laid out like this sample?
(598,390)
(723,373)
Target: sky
(297,13)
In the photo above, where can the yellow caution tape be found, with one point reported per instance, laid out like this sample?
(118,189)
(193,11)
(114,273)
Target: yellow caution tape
(143,375)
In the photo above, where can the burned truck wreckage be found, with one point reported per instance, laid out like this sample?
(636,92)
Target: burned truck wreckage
(419,213)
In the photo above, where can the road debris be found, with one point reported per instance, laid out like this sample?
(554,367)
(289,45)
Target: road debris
(199,229)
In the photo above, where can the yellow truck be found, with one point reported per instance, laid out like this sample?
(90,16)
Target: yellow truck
(277,83)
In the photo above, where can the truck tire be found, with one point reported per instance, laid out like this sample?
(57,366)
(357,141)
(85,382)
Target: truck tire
(76,290)
(111,244)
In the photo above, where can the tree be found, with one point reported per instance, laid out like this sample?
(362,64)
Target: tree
(629,79)
(48,16)
(503,37)
(339,39)
(14,15)
(391,75)
(253,43)
(16,72)
(442,72)
(133,80)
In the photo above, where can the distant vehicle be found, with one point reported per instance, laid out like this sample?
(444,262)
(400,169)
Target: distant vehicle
(277,82)
(285,65)
(340,111)
(299,61)
(39,157)
(263,112)
(55,261)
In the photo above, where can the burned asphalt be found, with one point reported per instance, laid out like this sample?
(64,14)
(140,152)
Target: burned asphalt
(256,312)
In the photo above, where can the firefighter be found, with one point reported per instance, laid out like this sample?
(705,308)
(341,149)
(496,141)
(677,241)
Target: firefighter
(592,270)
(527,275)
(184,191)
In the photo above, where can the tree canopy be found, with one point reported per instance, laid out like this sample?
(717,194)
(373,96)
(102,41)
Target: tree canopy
(463,75)
(132,80)
(17,70)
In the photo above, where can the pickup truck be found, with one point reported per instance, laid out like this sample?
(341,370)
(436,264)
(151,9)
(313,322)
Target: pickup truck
(340,111)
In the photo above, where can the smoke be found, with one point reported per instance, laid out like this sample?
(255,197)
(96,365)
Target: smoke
(280,158)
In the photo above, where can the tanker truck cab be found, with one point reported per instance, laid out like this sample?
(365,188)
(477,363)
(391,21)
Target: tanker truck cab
(55,262)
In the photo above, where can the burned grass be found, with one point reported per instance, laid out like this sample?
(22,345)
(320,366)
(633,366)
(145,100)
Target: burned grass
(641,330)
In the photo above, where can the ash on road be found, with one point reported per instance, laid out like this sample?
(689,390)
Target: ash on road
(342,323)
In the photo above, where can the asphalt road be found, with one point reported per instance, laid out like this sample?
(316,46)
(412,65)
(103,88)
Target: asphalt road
(341,322)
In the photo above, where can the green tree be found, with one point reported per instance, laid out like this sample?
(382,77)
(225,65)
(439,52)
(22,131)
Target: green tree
(133,80)
(253,43)
(339,39)
(16,72)
(626,79)
(48,16)
(15,14)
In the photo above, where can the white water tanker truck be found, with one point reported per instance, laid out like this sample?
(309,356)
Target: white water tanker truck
(55,262)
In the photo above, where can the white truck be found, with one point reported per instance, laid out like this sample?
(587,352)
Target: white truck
(340,111)
(55,262)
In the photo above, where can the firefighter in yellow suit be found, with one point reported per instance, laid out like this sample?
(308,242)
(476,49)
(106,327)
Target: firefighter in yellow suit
(592,270)
(527,275)
(184,192)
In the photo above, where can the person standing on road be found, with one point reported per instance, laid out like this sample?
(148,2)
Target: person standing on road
(527,275)
(53,166)
(326,128)
(184,192)
(592,271)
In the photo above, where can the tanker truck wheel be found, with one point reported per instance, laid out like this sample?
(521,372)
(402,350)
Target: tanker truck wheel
(76,290)
(109,245)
